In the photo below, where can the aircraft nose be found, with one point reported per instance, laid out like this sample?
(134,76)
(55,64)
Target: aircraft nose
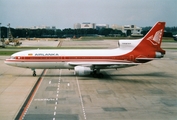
(7,62)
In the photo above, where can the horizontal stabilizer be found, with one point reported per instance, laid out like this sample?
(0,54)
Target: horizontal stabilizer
(143,60)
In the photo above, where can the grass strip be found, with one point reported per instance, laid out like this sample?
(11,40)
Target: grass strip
(7,53)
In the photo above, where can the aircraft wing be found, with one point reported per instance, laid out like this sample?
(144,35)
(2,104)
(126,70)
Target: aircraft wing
(104,64)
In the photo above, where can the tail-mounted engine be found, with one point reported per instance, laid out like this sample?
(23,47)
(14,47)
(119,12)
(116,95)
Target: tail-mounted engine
(158,55)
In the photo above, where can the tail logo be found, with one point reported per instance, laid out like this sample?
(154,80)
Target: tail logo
(155,40)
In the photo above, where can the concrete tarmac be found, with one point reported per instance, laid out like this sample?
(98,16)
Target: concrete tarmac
(39,43)
(15,86)
(16,83)
(147,91)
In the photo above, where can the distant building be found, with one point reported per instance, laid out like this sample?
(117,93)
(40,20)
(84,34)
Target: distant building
(20,27)
(129,29)
(38,27)
(87,25)
(116,27)
(101,26)
(77,26)
(53,28)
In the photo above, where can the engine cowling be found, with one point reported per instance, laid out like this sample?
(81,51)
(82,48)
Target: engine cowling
(158,55)
(81,70)
(128,44)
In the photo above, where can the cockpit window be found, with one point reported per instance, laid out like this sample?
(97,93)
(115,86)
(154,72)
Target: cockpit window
(12,57)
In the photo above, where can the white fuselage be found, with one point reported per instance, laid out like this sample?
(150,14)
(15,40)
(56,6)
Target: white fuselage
(85,61)
(54,59)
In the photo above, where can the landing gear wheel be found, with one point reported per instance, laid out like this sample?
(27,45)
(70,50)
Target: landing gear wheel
(97,74)
(34,73)
(100,75)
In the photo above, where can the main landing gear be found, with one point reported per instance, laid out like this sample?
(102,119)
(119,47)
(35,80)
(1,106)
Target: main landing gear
(96,73)
(34,72)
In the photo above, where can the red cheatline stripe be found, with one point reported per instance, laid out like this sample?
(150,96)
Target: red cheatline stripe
(50,57)
(70,60)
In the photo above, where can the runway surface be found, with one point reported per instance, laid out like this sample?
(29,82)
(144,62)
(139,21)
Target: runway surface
(147,92)
(143,92)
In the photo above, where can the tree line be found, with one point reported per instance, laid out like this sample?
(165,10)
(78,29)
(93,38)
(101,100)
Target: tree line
(168,32)
(58,33)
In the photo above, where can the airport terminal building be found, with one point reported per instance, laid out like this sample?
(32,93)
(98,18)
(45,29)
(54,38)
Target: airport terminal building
(132,30)
(87,25)
(38,27)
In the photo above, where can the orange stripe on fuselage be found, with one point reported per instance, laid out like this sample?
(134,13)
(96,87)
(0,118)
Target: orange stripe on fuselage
(131,57)
(71,58)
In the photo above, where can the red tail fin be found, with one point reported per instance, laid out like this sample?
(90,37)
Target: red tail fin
(152,40)
(156,33)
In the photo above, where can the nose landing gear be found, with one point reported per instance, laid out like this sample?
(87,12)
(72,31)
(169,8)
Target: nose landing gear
(34,72)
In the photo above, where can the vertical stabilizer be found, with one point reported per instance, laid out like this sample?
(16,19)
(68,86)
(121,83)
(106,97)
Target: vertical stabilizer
(153,39)
(156,33)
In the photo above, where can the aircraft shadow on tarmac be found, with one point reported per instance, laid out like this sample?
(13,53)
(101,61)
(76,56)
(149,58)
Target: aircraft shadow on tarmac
(134,79)
(66,75)
(152,74)
(108,76)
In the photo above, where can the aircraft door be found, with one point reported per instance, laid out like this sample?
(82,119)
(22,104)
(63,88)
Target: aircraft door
(63,58)
(131,57)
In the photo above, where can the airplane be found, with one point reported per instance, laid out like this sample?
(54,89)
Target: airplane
(91,61)
(175,37)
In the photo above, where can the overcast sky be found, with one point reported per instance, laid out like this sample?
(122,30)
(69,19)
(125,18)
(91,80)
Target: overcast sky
(64,13)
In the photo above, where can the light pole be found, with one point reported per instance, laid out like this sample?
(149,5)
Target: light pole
(8,31)
(2,41)
(0,32)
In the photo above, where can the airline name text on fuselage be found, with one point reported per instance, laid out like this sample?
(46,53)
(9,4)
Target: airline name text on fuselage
(47,54)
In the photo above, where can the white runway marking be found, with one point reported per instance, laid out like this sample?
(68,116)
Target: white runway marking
(58,88)
(82,104)
(54,113)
